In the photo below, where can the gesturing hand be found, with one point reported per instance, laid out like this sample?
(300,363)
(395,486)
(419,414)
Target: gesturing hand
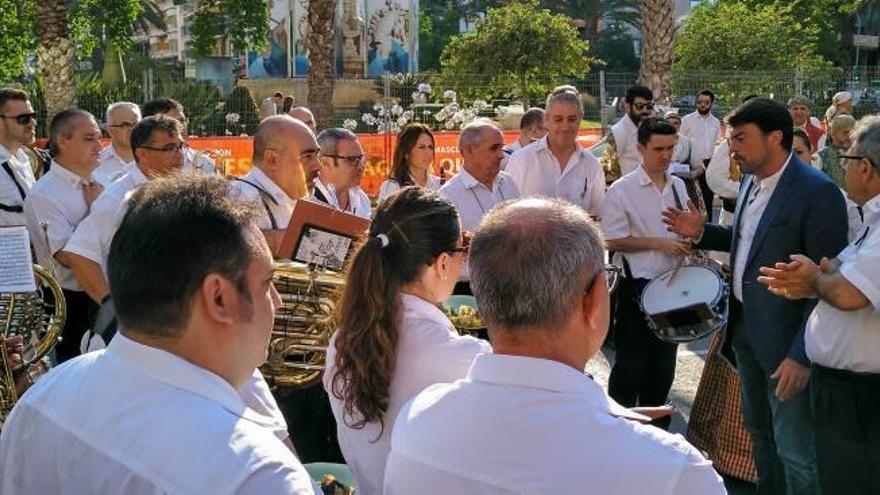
(791,378)
(791,280)
(674,247)
(686,223)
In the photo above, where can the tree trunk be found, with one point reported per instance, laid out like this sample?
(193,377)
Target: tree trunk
(55,56)
(113,73)
(322,17)
(658,32)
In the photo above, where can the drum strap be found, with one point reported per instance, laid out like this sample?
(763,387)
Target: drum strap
(264,195)
(676,197)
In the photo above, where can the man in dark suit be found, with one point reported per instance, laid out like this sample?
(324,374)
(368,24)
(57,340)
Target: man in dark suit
(784,206)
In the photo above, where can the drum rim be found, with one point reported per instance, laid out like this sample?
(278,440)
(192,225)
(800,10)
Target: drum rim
(715,299)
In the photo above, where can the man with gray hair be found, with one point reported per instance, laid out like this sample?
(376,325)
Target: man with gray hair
(340,179)
(480,184)
(841,337)
(527,419)
(121,116)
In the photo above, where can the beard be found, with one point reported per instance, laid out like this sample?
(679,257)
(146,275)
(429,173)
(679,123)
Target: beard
(704,111)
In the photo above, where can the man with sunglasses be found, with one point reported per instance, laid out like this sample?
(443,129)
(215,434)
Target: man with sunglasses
(192,159)
(340,180)
(122,116)
(842,338)
(17,130)
(639,105)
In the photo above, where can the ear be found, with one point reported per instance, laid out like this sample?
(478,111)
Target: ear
(270,158)
(595,303)
(219,299)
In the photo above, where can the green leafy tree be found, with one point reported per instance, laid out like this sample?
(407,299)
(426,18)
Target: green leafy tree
(243,22)
(615,49)
(519,50)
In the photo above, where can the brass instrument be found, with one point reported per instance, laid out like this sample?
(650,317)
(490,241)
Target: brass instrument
(39,318)
(612,274)
(608,157)
(303,324)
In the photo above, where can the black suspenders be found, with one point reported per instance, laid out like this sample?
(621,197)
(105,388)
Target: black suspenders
(264,196)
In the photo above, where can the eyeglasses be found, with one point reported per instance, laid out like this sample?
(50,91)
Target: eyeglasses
(591,283)
(354,161)
(309,155)
(844,159)
(123,125)
(644,106)
(23,119)
(167,149)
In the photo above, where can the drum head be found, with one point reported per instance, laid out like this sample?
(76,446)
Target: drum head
(680,288)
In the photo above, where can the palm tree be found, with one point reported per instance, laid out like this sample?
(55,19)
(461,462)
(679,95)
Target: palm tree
(658,31)
(151,17)
(55,55)
(321,40)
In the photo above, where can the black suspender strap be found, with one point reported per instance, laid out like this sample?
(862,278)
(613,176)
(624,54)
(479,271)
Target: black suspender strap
(676,197)
(13,208)
(264,195)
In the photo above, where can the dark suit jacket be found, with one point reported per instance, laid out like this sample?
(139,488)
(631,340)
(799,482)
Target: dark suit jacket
(806,215)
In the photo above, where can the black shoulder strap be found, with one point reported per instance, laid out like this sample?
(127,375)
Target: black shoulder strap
(264,195)
(676,196)
(13,208)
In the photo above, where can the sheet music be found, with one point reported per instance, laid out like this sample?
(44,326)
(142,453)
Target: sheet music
(16,265)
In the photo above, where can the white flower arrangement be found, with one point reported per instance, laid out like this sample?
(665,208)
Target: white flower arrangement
(453,115)
(350,124)
(232,118)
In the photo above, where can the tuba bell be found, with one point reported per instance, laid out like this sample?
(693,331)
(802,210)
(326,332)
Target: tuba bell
(608,157)
(39,318)
(303,324)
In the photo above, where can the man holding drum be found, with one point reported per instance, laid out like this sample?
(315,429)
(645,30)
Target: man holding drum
(644,366)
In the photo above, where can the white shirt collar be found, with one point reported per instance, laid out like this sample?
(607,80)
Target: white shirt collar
(470,182)
(19,155)
(773,179)
(546,375)
(177,372)
(270,186)
(65,176)
(543,144)
(424,309)
(645,179)
(871,210)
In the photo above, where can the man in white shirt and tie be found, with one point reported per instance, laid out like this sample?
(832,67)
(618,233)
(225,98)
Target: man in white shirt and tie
(556,166)
(57,203)
(175,404)
(18,124)
(638,102)
(526,419)
(121,116)
(843,332)
(703,129)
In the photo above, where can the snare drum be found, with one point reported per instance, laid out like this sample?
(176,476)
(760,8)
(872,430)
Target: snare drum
(686,303)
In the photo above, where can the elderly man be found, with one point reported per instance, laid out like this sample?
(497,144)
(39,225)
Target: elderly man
(192,159)
(18,123)
(305,116)
(842,338)
(801,108)
(531,129)
(340,180)
(283,147)
(121,119)
(157,146)
(527,419)
(175,404)
(58,202)
(557,166)
(638,102)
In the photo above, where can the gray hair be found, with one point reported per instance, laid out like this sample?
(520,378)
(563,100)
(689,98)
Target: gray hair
(800,100)
(472,133)
(122,104)
(328,139)
(63,124)
(840,123)
(866,139)
(564,94)
(529,262)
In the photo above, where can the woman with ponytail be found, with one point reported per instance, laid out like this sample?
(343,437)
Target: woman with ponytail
(392,340)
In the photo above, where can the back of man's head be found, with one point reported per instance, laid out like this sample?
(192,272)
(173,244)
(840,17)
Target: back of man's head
(769,115)
(177,230)
(529,261)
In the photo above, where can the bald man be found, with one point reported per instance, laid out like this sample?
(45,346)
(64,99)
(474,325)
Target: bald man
(305,116)
(285,151)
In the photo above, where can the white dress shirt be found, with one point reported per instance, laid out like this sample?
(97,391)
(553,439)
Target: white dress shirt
(537,172)
(197,161)
(473,199)
(56,199)
(20,166)
(703,131)
(632,209)
(273,202)
(93,235)
(753,207)
(525,425)
(358,201)
(850,340)
(626,142)
(110,166)
(390,186)
(718,178)
(429,351)
(509,150)
(137,420)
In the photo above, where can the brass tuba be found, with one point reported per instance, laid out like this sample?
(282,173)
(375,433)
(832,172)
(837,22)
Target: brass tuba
(303,323)
(608,157)
(39,318)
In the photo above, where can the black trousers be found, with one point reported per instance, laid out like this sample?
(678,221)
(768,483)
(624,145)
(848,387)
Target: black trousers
(81,310)
(310,423)
(708,195)
(644,367)
(846,417)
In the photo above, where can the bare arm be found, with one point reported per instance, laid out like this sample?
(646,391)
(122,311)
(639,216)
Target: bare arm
(830,286)
(87,273)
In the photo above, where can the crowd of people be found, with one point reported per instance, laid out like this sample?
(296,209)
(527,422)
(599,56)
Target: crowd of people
(174,402)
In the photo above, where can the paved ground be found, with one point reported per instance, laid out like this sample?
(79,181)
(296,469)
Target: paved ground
(687,376)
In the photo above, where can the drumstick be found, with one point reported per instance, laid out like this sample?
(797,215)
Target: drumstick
(675,271)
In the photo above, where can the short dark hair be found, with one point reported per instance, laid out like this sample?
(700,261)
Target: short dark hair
(177,230)
(749,97)
(142,133)
(532,116)
(278,94)
(12,94)
(638,91)
(62,125)
(160,106)
(798,132)
(708,93)
(768,115)
(654,125)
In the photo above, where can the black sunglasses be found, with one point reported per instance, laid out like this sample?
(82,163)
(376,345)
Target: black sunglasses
(643,106)
(23,119)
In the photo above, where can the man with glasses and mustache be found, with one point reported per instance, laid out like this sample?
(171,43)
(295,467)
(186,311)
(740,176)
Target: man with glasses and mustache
(192,159)
(339,183)
(639,105)
(121,118)
(17,130)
